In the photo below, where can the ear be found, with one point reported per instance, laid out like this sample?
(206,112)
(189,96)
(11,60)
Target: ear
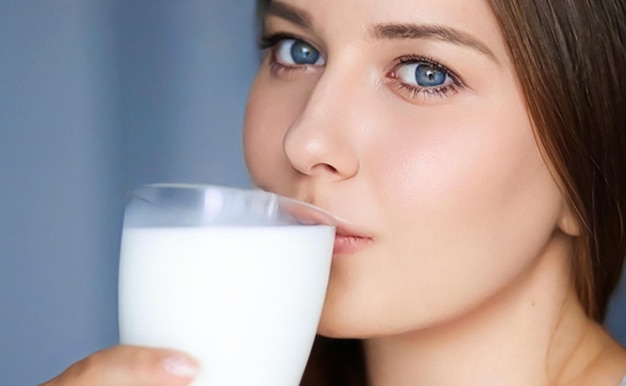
(568,222)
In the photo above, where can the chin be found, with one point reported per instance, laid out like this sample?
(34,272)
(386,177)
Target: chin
(346,325)
(341,327)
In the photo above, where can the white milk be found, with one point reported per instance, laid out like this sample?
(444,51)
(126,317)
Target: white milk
(245,301)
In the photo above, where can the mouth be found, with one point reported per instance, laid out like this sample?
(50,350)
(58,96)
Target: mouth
(349,241)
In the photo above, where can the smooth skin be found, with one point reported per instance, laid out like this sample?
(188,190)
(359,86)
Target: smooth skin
(130,366)
(405,119)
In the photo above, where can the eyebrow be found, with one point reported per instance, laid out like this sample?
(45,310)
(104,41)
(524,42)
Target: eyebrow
(427,31)
(390,31)
(288,12)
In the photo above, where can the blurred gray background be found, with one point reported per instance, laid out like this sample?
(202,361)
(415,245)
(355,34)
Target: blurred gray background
(98,96)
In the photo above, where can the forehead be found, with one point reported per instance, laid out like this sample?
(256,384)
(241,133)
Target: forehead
(355,19)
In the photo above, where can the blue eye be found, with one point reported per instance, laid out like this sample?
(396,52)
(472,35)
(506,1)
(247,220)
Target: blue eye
(429,76)
(421,79)
(297,52)
(423,75)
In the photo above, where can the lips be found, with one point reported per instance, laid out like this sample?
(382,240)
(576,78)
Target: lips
(348,240)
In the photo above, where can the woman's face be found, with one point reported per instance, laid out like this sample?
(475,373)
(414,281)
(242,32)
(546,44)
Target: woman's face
(405,120)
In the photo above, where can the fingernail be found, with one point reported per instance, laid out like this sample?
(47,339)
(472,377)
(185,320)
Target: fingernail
(180,366)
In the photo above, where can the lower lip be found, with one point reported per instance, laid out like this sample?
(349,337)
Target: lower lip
(349,244)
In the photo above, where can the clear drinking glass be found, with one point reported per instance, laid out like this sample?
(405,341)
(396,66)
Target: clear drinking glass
(234,277)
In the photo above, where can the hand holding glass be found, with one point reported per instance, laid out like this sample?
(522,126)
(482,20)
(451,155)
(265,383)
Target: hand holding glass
(234,277)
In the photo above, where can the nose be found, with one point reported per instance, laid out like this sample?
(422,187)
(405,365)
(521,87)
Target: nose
(322,141)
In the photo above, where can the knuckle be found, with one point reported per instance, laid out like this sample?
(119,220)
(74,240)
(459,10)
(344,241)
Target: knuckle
(83,369)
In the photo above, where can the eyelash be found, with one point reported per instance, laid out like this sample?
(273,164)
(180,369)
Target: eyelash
(271,42)
(455,85)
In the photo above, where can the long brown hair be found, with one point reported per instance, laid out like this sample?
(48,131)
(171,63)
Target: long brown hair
(570,57)
(570,60)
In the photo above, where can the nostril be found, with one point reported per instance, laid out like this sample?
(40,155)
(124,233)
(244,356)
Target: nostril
(311,153)
(325,168)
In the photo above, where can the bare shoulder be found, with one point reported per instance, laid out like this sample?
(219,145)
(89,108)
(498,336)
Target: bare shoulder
(621,364)
(602,361)
(610,368)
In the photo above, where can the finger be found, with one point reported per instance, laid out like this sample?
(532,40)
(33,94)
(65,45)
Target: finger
(130,366)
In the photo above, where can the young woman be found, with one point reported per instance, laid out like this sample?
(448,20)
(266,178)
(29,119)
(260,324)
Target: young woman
(474,151)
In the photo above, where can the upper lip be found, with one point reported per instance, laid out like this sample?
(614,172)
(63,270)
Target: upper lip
(345,229)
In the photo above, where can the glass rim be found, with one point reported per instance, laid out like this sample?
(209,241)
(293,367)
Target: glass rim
(305,213)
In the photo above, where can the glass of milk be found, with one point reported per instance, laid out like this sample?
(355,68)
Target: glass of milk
(234,277)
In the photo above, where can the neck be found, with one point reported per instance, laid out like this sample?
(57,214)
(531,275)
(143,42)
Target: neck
(534,332)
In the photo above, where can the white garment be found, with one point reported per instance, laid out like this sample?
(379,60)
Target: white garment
(623,382)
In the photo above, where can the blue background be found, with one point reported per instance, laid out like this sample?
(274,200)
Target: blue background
(98,96)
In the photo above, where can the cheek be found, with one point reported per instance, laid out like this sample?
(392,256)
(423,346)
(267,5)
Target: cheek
(496,188)
(267,118)
(477,160)
(468,205)
(478,174)
(255,132)
(274,105)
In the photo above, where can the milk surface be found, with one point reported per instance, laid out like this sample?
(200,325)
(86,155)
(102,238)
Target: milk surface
(245,301)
